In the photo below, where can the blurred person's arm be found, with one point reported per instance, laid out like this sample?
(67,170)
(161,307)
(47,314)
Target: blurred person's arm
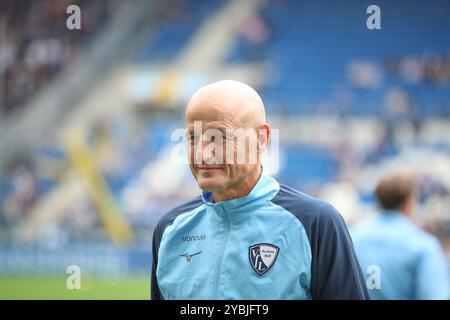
(432,274)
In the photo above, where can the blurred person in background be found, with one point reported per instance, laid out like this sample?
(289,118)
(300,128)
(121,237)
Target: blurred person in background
(247,237)
(411,261)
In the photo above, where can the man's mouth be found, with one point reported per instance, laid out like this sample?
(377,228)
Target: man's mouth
(209,167)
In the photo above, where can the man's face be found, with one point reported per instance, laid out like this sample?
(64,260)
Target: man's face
(222,149)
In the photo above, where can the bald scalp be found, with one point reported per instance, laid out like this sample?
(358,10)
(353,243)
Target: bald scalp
(234,98)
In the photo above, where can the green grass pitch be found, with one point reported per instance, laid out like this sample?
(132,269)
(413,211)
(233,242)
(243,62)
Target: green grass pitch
(54,288)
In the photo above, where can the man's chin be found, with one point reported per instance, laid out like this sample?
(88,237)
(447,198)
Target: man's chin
(212,184)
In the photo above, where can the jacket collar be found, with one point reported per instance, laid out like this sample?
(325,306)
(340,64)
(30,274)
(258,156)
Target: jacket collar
(393,215)
(264,190)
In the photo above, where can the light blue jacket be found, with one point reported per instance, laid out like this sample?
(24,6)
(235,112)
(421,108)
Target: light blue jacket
(275,243)
(411,262)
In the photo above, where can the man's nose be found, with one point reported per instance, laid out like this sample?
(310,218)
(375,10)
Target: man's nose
(204,152)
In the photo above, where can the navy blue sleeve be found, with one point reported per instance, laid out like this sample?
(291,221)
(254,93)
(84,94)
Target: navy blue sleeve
(165,221)
(335,270)
(157,235)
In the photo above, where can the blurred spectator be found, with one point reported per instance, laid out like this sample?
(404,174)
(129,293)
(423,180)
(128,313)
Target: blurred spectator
(424,69)
(411,262)
(254,35)
(22,197)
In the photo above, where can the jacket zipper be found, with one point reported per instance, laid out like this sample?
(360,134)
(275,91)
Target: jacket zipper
(219,263)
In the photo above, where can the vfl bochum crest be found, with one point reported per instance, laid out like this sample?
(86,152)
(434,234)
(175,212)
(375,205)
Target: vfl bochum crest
(262,256)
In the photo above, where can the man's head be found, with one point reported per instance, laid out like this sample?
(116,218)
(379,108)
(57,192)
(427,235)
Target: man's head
(397,192)
(227,132)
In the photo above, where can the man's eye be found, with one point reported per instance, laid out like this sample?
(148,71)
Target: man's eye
(213,138)
(193,139)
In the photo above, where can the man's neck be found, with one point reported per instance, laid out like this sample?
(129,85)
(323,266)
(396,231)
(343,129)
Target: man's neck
(242,189)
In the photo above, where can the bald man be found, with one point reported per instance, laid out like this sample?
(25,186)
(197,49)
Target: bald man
(246,236)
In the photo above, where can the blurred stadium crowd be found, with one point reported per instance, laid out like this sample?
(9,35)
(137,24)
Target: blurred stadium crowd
(351,105)
(36,44)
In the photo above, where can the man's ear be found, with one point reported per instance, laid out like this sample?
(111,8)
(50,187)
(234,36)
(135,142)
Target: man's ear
(263,137)
(409,205)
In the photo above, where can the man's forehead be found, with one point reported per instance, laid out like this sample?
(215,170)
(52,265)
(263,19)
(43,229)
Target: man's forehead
(205,125)
(210,112)
(209,109)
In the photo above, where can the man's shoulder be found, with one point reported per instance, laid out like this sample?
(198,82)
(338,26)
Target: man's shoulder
(366,228)
(306,208)
(424,241)
(185,207)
